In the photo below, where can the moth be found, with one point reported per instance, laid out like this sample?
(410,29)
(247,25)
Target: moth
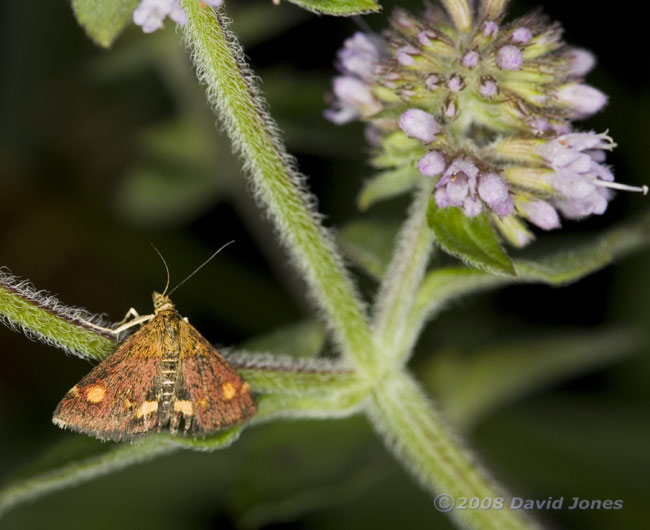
(166,376)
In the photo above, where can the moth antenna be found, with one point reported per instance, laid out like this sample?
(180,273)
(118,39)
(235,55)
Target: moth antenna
(200,266)
(166,268)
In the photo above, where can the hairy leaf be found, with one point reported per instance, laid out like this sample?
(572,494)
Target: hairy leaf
(474,241)
(338,7)
(104,19)
(471,386)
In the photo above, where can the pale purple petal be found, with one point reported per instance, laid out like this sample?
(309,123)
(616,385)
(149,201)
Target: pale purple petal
(455,83)
(353,91)
(540,213)
(571,185)
(582,61)
(431,81)
(521,35)
(472,207)
(470,59)
(594,203)
(405,55)
(583,99)
(419,124)
(441,197)
(432,164)
(425,37)
(492,189)
(150,14)
(457,189)
(488,88)
(509,58)
(490,28)
(588,140)
(450,109)
(503,208)
(177,14)
(359,56)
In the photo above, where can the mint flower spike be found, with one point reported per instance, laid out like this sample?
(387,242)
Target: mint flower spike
(491,104)
(150,13)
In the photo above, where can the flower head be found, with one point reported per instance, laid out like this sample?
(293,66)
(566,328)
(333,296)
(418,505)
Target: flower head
(490,104)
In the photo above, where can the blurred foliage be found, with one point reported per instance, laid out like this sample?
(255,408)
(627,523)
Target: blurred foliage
(103,152)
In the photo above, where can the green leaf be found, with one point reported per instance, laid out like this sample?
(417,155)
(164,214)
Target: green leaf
(556,267)
(104,19)
(338,7)
(471,386)
(177,175)
(474,241)
(369,244)
(388,184)
(81,459)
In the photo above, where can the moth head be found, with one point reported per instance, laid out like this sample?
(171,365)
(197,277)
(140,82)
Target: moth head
(161,302)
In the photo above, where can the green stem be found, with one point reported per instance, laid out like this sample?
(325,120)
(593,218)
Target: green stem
(43,317)
(275,181)
(405,272)
(419,438)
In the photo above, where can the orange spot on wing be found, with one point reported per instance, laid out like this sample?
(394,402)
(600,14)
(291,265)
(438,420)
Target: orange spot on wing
(228,390)
(95,394)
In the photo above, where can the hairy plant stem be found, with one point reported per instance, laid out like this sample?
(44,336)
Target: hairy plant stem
(275,181)
(403,277)
(418,437)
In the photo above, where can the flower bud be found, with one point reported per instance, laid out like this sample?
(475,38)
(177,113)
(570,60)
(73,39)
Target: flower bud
(419,124)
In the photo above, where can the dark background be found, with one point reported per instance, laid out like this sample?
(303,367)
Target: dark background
(103,152)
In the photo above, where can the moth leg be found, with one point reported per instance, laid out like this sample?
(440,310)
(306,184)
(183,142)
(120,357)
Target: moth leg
(134,322)
(123,327)
(131,313)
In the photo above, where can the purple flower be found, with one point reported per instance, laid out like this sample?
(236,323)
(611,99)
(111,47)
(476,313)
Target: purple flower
(488,88)
(521,35)
(494,192)
(150,13)
(455,83)
(432,164)
(579,175)
(510,58)
(354,99)
(463,185)
(584,100)
(359,56)
(490,28)
(470,59)
(582,61)
(540,213)
(419,124)
(357,60)
(405,55)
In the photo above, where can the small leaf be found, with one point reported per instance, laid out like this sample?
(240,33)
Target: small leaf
(103,19)
(388,184)
(471,386)
(338,7)
(471,240)
(369,244)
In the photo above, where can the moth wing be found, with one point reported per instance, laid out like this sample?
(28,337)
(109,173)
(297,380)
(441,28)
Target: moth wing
(110,402)
(220,397)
